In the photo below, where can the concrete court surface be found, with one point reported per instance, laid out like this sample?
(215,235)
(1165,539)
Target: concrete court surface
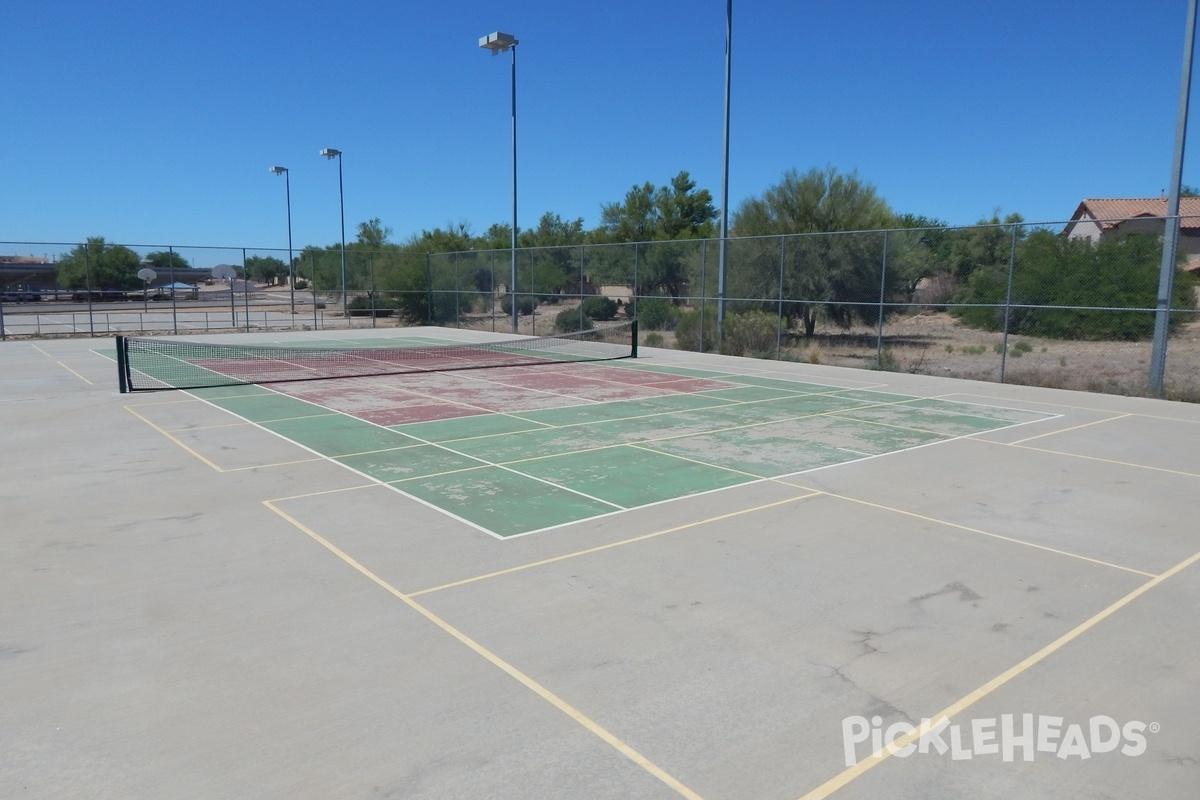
(203,609)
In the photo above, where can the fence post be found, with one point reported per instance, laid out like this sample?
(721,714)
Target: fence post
(246,289)
(779,318)
(582,255)
(1012,261)
(371,261)
(633,295)
(882,290)
(174,306)
(703,287)
(87,273)
(532,292)
(429,315)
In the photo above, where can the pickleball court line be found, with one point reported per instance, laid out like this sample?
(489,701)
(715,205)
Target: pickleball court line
(969,529)
(879,756)
(527,681)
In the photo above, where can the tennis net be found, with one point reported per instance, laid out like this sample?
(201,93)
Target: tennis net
(150,364)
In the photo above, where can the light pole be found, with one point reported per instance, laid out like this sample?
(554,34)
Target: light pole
(329,152)
(724,245)
(498,43)
(287,182)
(1166,272)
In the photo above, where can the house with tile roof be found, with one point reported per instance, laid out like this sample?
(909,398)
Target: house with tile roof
(1105,218)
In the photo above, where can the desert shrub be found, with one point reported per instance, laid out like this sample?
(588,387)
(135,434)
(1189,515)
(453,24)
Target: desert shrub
(653,339)
(657,314)
(696,330)
(362,306)
(570,320)
(750,333)
(525,304)
(1052,271)
(935,290)
(600,308)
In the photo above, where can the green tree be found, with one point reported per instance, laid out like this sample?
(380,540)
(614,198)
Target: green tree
(266,269)
(163,261)
(833,270)
(99,265)
(653,220)
(552,231)
(373,234)
(987,245)
(552,267)
(674,211)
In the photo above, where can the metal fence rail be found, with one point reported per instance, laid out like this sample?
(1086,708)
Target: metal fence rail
(1011,303)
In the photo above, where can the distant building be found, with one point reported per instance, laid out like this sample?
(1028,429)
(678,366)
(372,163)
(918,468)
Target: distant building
(1099,219)
(28,274)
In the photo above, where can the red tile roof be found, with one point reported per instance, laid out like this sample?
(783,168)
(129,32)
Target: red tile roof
(1113,211)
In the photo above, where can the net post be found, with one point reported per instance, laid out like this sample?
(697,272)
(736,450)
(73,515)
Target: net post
(122,366)
(634,328)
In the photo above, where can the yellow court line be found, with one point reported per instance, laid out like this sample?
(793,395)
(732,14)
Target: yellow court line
(1072,428)
(73,372)
(187,398)
(173,439)
(193,452)
(843,778)
(241,424)
(1077,408)
(1094,458)
(562,705)
(64,366)
(611,545)
(276,464)
(969,529)
(326,491)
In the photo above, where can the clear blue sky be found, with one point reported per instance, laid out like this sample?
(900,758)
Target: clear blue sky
(155,123)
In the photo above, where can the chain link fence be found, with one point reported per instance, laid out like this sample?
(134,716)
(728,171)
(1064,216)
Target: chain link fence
(1044,304)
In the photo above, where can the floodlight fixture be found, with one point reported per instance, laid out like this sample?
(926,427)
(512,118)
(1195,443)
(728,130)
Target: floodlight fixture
(498,42)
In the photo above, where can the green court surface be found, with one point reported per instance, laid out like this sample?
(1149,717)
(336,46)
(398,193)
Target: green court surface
(522,471)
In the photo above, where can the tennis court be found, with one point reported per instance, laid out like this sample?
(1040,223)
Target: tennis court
(675,575)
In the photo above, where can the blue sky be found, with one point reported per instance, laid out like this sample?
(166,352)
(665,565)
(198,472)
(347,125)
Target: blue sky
(155,123)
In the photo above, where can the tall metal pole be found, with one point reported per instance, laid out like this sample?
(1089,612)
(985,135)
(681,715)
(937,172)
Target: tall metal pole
(287,183)
(1166,276)
(287,177)
(513,276)
(330,152)
(496,43)
(724,180)
(342,209)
